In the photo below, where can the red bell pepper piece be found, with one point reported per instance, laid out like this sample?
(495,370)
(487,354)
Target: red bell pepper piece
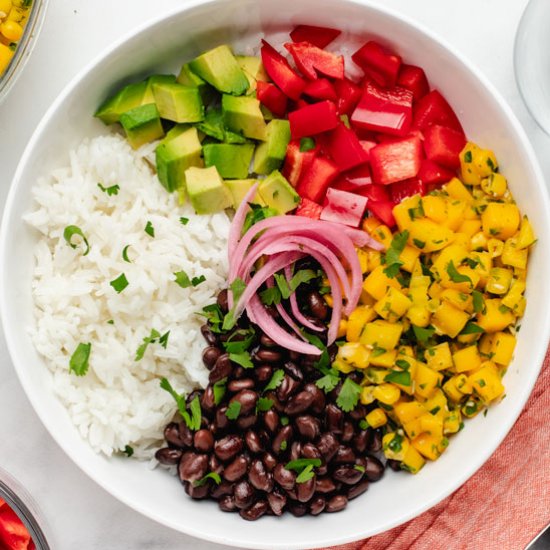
(309,209)
(367,145)
(345,148)
(314,183)
(396,160)
(279,70)
(443,145)
(388,111)
(13,533)
(320,89)
(378,63)
(318,36)
(434,174)
(407,188)
(297,162)
(354,180)
(348,95)
(376,193)
(343,207)
(269,95)
(310,59)
(313,119)
(383,210)
(434,109)
(414,79)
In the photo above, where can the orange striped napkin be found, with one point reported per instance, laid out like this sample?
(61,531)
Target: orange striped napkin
(502,507)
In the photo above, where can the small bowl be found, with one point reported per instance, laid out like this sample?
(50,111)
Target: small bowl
(24,48)
(163,45)
(19,500)
(532,61)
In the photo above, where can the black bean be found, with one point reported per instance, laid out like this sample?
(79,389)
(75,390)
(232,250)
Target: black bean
(214,465)
(256,511)
(348,432)
(334,419)
(347,475)
(288,386)
(208,402)
(359,412)
(210,355)
(344,455)
(247,400)
(168,456)
(374,469)
(245,422)
(208,335)
(221,418)
(238,372)
(328,446)
(236,469)
(192,467)
(227,503)
(317,305)
(253,442)
(222,301)
(266,355)
(244,494)
(294,371)
(195,492)
(263,373)
(276,501)
(277,405)
(221,369)
(306,489)
(376,442)
(203,441)
(297,509)
(317,505)
(259,477)
(358,489)
(325,485)
(395,465)
(299,403)
(267,342)
(227,447)
(271,420)
(223,489)
(285,478)
(243,384)
(178,436)
(336,503)
(269,461)
(282,439)
(361,440)
(308,426)
(318,403)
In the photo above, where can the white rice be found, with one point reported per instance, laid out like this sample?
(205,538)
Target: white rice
(119,401)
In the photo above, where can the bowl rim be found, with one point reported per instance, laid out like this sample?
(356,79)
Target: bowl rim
(337,538)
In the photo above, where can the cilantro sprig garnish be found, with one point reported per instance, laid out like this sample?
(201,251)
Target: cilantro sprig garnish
(391,258)
(191,417)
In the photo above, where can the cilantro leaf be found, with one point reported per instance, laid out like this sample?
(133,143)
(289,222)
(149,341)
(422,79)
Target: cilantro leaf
(329,381)
(271,296)
(120,283)
(399,377)
(219,388)
(457,277)
(149,229)
(302,276)
(472,328)
(184,221)
(391,258)
(78,363)
(113,190)
(163,340)
(306,144)
(243,359)
(478,302)
(214,316)
(233,410)
(239,346)
(264,404)
(214,476)
(282,285)
(423,334)
(349,395)
(257,214)
(305,475)
(276,380)
(68,234)
(151,339)
(299,464)
(192,420)
(128,451)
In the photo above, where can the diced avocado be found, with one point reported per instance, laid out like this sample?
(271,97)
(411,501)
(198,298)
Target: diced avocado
(232,161)
(212,125)
(188,78)
(178,103)
(270,154)
(176,131)
(253,69)
(268,115)
(125,99)
(243,115)
(220,69)
(142,125)
(278,193)
(206,190)
(175,154)
(149,96)
(239,188)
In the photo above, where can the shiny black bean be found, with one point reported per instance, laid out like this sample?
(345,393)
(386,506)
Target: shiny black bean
(256,511)
(192,467)
(358,489)
(344,455)
(336,503)
(223,489)
(334,419)
(375,442)
(221,369)
(236,469)
(283,435)
(318,403)
(177,435)
(305,490)
(227,503)
(347,475)
(359,412)
(247,400)
(253,442)
(243,384)
(208,402)
(266,355)
(285,478)
(168,456)
(327,445)
(269,461)
(214,465)
(271,420)
(299,403)
(210,355)
(297,509)
(361,440)
(246,422)
(395,465)
(259,477)
(238,372)
(287,388)
(197,493)
(228,447)
(222,301)
(309,450)
(308,426)
(208,335)
(348,432)
(243,493)
(263,373)
(294,371)
(317,505)
(276,501)
(317,305)
(374,469)
(203,441)
(221,418)
(325,485)
(267,342)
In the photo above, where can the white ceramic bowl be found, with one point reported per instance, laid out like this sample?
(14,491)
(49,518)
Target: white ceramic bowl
(164,45)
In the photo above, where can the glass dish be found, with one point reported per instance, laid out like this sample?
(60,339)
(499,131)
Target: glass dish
(24,48)
(532,61)
(24,506)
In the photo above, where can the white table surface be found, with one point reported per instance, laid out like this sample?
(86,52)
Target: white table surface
(81,514)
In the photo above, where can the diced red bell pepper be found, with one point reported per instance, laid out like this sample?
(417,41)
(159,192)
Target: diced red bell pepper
(434,109)
(310,59)
(297,162)
(376,193)
(309,209)
(279,70)
(443,145)
(348,95)
(318,36)
(378,63)
(315,181)
(269,95)
(407,188)
(396,160)
(434,174)
(313,119)
(343,207)
(367,145)
(383,210)
(354,180)
(320,89)
(13,533)
(388,111)
(413,78)
(344,148)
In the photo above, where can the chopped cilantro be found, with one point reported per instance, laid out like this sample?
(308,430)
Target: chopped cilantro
(349,395)
(78,363)
(478,302)
(399,377)
(299,464)
(423,334)
(184,221)
(151,339)
(468,156)
(472,328)
(455,276)
(120,283)
(377,351)
(284,445)
(264,404)
(391,259)
(243,359)
(418,243)
(282,285)
(113,190)
(68,234)
(214,476)
(149,229)
(241,345)
(305,475)
(219,388)
(128,451)
(192,417)
(233,410)
(306,144)
(271,296)
(125,254)
(276,380)
(257,214)
(284,420)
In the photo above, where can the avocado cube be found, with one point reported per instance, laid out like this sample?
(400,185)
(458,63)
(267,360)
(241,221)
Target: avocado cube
(188,78)
(176,131)
(220,69)
(278,193)
(142,125)
(253,69)
(238,190)
(149,96)
(174,155)
(243,115)
(270,154)
(232,161)
(178,103)
(125,99)
(206,190)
